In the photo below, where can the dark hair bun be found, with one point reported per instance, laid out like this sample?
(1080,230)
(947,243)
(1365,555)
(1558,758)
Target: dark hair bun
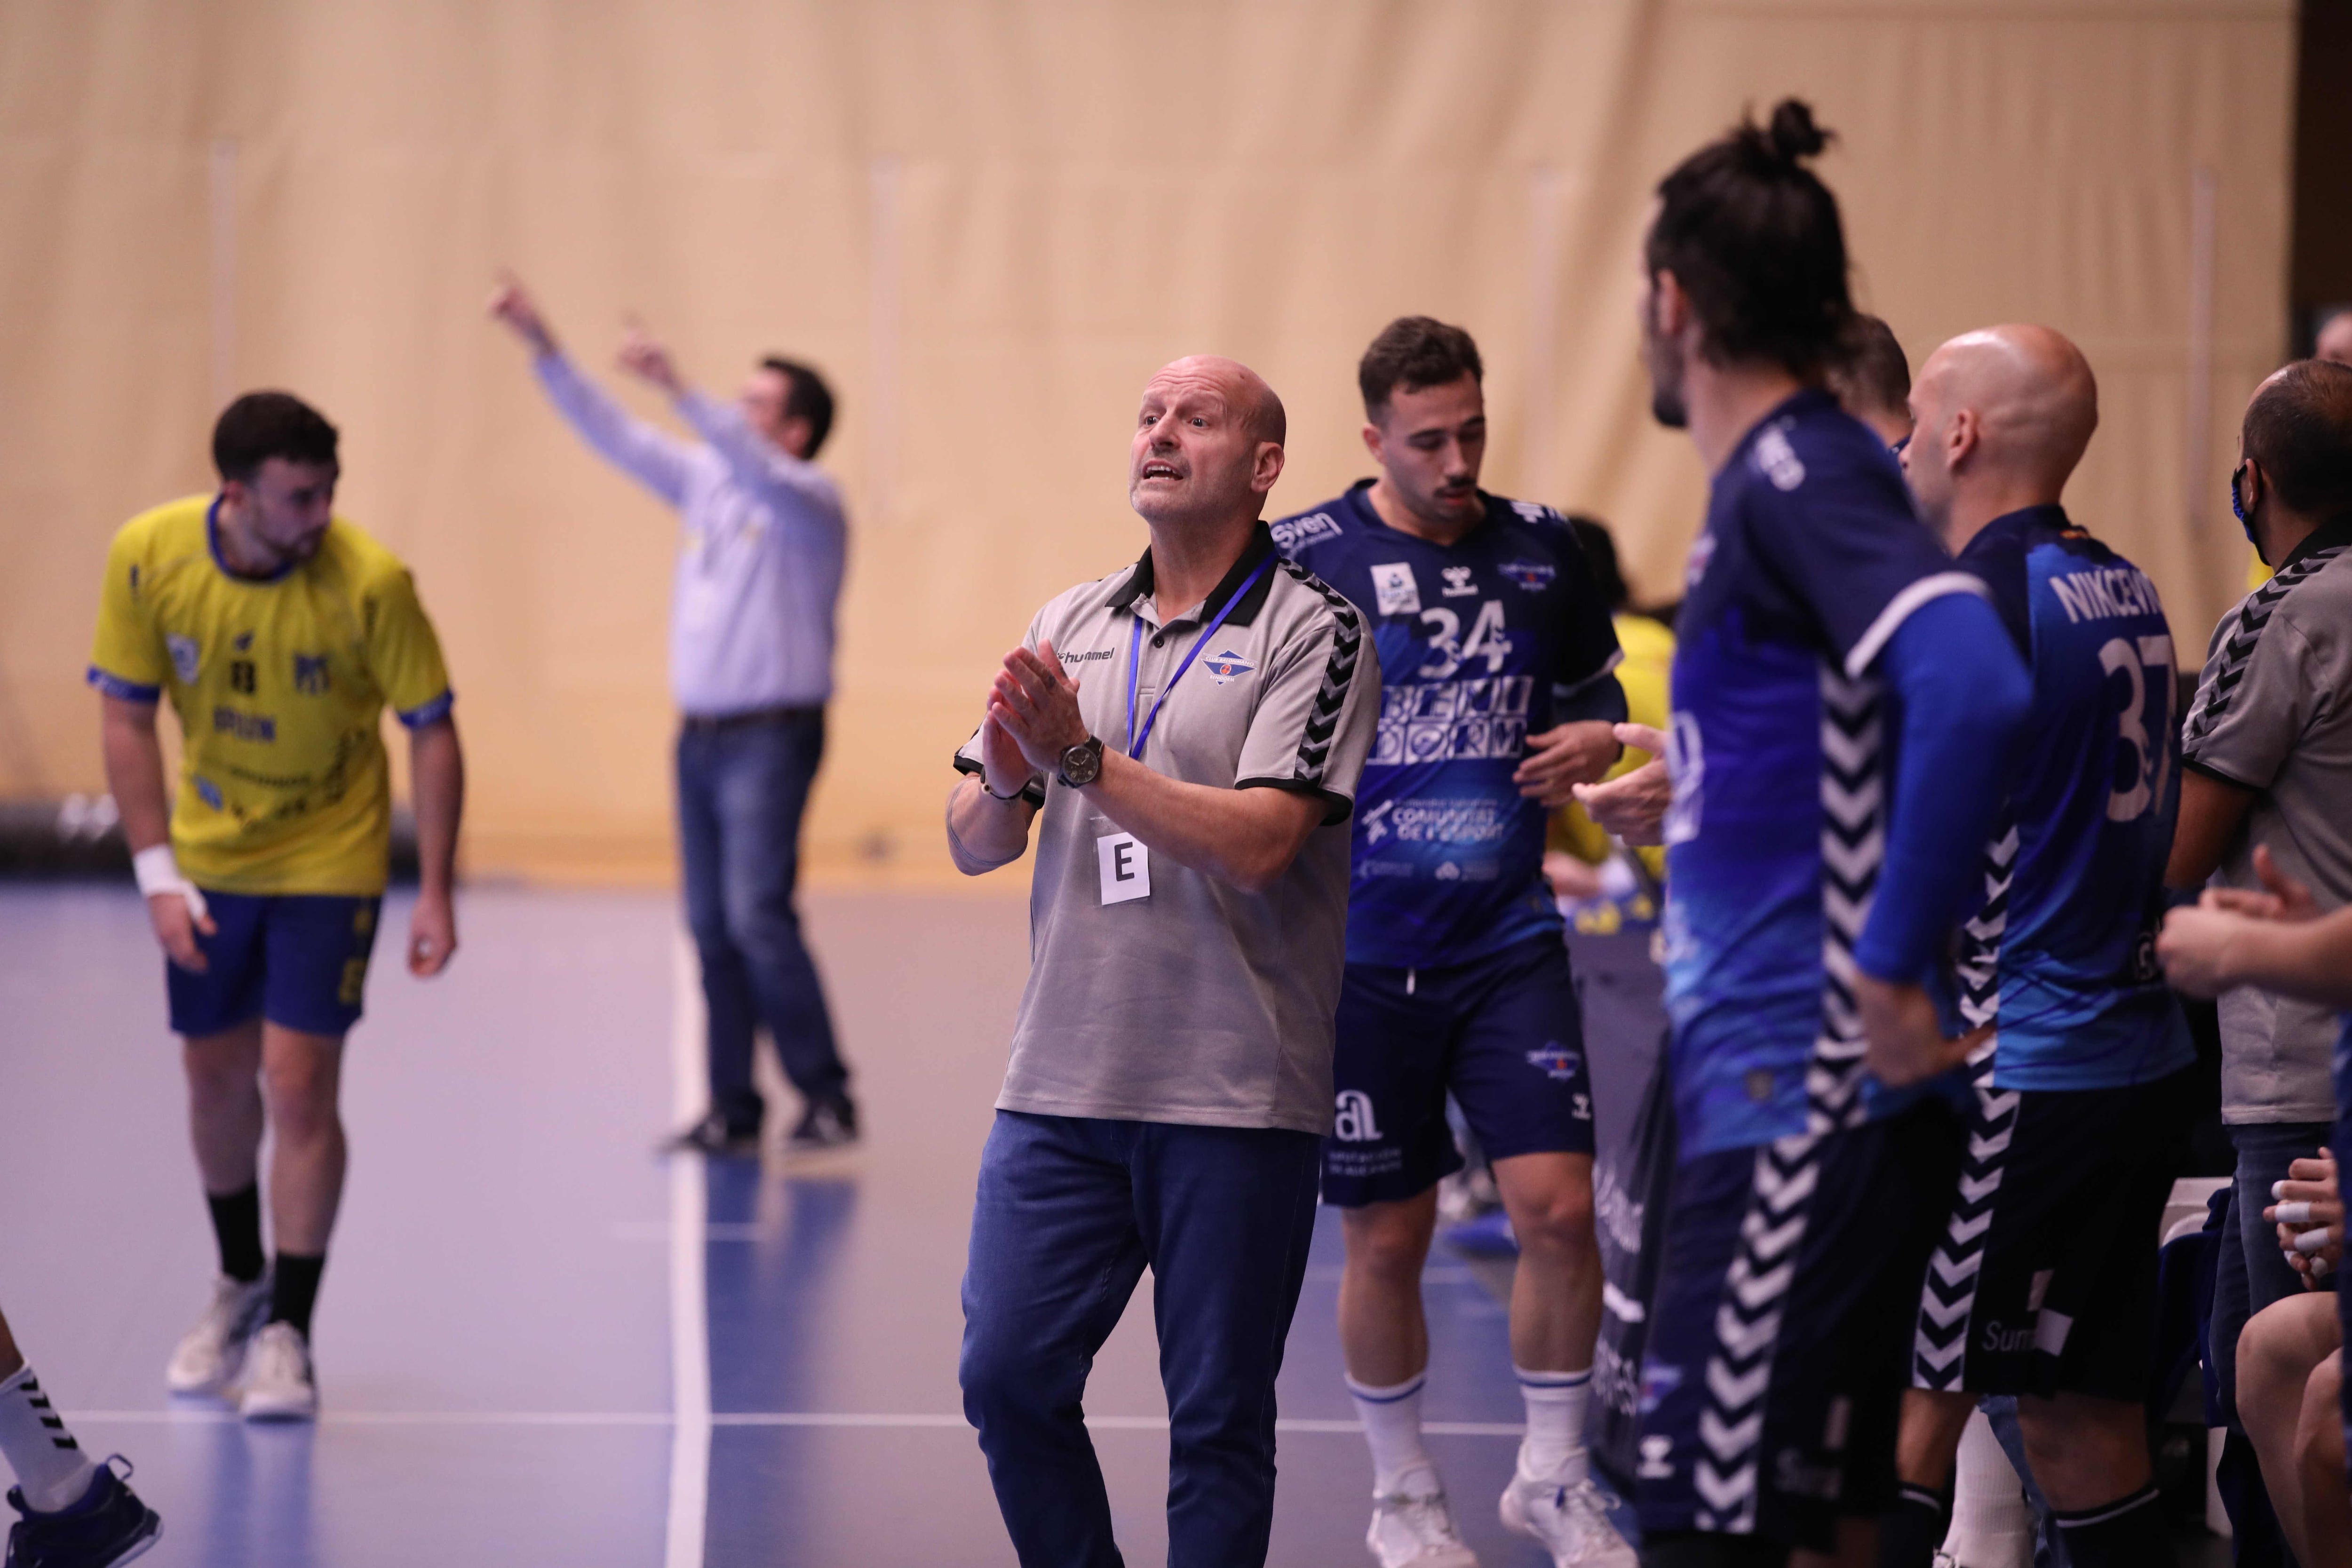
(1792,135)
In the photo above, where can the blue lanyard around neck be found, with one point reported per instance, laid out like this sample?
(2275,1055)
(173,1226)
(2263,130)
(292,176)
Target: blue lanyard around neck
(1135,665)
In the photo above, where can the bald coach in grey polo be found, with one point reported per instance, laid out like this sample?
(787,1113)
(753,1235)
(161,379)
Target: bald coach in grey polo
(1186,733)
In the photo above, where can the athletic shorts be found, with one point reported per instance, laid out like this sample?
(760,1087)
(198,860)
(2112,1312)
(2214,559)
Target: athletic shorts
(1503,1032)
(299,960)
(2043,1280)
(1772,1377)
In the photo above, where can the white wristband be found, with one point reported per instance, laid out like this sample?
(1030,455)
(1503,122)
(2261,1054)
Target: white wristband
(158,872)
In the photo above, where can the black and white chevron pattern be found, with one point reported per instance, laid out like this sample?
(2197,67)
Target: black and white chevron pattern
(1788,1169)
(50,1420)
(1939,1349)
(1747,1330)
(1853,845)
(1978,967)
(1339,674)
(2237,649)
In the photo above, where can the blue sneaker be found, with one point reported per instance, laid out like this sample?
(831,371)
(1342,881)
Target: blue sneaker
(108,1525)
(1488,1235)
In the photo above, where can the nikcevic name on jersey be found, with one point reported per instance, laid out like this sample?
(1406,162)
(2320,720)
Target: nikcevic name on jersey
(2061,955)
(1783,756)
(1480,642)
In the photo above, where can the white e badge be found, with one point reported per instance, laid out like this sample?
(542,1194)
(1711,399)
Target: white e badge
(1126,869)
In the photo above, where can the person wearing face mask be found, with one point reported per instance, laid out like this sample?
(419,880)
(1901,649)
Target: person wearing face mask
(1185,736)
(2266,757)
(760,567)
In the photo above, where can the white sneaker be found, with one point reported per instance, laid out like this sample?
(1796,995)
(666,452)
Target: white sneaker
(213,1353)
(278,1385)
(1413,1528)
(1569,1518)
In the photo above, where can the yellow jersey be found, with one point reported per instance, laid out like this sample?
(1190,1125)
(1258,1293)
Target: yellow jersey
(281,686)
(1646,673)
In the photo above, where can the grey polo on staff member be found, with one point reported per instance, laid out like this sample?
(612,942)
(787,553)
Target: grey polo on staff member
(2270,716)
(1196,1003)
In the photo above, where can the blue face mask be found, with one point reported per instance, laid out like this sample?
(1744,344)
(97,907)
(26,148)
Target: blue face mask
(2237,510)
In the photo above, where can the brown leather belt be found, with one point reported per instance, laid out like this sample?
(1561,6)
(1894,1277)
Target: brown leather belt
(707,725)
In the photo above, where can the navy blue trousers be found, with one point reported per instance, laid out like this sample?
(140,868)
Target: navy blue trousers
(741,793)
(1070,1211)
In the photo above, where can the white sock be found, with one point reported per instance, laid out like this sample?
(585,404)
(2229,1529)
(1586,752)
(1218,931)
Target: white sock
(1392,1419)
(1556,1406)
(50,1464)
(1992,1525)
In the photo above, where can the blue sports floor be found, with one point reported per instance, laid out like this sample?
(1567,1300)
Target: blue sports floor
(518,1338)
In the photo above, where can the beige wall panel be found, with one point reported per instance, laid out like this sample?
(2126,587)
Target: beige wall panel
(988,223)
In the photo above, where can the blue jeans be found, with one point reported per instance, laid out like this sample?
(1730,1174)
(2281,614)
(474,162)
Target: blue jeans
(740,792)
(1070,1211)
(2246,1278)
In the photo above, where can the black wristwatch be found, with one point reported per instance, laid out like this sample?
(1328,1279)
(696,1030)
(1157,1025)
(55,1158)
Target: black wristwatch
(1082,764)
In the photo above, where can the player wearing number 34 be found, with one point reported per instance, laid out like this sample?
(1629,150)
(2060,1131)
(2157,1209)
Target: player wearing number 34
(1186,734)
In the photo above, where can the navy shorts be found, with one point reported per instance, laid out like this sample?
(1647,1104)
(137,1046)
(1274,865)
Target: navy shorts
(1772,1378)
(299,960)
(2043,1280)
(1503,1032)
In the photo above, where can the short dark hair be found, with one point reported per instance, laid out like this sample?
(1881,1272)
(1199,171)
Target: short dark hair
(1601,558)
(1414,352)
(264,424)
(1754,238)
(806,396)
(2299,429)
(1870,370)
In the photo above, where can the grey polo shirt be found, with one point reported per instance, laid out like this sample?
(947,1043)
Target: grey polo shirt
(2274,714)
(1158,994)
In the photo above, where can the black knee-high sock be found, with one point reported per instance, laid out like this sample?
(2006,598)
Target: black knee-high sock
(2129,1532)
(236,1225)
(294,1289)
(1691,1549)
(1909,1532)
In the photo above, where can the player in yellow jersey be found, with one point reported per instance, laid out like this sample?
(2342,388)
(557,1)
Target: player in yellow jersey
(280,633)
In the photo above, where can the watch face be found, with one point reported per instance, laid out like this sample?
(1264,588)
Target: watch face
(1080,765)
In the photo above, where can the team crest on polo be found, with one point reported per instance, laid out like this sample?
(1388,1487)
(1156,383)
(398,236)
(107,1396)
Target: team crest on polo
(1557,1060)
(185,657)
(1223,667)
(1534,576)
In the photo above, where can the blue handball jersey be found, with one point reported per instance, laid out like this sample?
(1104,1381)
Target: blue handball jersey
(1480,642)
(2060,956)
(1781,753)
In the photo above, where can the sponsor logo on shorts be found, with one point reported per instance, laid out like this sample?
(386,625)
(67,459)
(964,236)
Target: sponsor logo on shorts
(1223,667)
(1796,1473)
(1659,1379)
(1657,1454)
(1556,1061)
(1354,1122)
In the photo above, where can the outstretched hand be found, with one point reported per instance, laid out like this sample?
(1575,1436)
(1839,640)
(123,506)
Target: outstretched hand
(511,304)
(644,357)
(1036,706)
(2200,944)
(1634,804)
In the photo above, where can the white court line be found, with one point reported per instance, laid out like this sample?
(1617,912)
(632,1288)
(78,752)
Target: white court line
(689,1328)
(848,1420)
